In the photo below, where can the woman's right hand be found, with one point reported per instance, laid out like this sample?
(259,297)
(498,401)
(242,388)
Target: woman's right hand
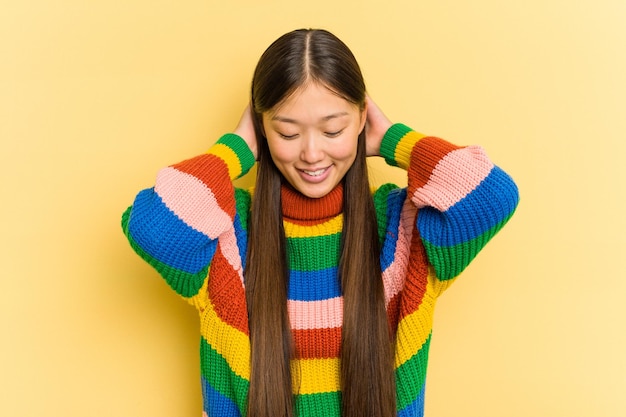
(245,129)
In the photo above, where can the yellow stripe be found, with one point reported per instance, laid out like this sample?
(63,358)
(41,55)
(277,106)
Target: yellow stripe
(312,376)
(199,300)
(330,227)
(414,329)
(405,146)
(441,285)
(229,342)
(229,156)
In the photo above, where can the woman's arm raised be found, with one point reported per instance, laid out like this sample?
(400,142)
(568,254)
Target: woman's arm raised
(376,126)
(462,197)
(175,225)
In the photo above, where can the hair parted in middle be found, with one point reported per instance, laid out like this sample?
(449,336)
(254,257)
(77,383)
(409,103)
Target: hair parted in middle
(367,375)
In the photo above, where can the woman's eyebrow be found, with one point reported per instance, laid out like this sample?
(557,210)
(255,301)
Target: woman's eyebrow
(283,119)
(279,118)
(335,116)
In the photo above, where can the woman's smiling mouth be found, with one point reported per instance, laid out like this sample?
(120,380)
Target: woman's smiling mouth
(316,175)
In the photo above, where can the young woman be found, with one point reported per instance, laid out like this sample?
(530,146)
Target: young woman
(315,295)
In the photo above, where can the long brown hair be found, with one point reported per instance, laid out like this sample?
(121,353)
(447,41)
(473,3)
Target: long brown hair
(367,376)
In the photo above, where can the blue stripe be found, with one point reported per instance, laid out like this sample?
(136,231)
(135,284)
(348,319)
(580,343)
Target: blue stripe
(485,207)
(165,237)
(395,202)
(242,240)
(314,285)
(416,408)
(217,405)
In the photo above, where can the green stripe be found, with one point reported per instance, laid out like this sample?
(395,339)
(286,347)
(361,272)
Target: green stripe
(450,261)
(316,405)
(218,374)
(411,376)
(380,204)
(184,283)
(308,254)
(390,141)
(241,149)
(242,203)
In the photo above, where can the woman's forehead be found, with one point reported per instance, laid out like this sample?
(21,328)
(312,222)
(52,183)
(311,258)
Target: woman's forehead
(312,102)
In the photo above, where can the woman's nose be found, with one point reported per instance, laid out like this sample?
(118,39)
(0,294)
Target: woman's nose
(311,150)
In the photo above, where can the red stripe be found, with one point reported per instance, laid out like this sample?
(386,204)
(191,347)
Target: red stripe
(416,277)
(425,156)
(227,293)
(213,172)
(317,343)
(393,311)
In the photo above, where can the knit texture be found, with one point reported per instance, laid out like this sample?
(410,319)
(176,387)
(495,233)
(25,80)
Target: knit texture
(192,227)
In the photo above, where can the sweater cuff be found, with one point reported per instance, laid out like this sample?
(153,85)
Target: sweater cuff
(233,150)
(398,143)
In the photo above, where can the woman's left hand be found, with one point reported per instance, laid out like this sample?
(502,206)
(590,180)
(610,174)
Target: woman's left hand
(376,126)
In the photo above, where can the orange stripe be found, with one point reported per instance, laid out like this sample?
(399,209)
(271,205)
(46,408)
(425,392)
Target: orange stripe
(428,152)
(227,294)
(317,343)
(307,223)
(207,168)
(416,277)
(393,311)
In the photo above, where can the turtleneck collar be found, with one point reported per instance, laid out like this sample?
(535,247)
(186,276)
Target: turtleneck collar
(297,206)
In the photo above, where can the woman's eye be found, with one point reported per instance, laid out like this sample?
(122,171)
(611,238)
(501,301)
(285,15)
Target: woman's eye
(333,134)
(287,136)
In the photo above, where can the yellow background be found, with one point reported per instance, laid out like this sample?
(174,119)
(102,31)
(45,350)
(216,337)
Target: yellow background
(96,95)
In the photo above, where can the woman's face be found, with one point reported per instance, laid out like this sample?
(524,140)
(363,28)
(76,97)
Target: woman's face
(312,137)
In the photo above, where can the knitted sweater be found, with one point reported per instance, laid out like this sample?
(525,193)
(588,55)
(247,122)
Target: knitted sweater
(192,227)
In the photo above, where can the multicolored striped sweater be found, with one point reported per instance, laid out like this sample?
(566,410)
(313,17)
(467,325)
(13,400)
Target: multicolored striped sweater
(191,226)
